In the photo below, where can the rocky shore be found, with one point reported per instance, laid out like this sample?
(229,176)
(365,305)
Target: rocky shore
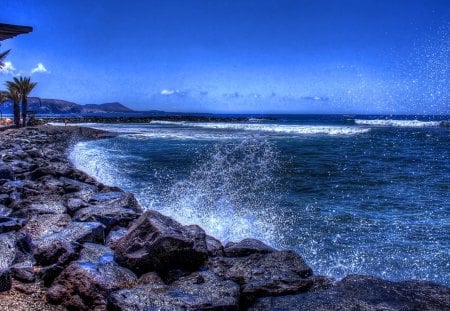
(70,242)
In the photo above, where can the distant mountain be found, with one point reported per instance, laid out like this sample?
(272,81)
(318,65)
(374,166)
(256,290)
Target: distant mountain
(57,106)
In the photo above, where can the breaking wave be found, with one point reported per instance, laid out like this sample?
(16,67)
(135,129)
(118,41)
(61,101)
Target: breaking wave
(273,128)
(398,123)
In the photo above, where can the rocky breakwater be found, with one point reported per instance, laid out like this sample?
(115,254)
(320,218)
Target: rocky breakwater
(70,242)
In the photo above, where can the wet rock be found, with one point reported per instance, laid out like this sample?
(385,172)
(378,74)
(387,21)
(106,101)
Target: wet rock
(74,204)
(214,246)
(109,216)
(5,211)
(15,248)
(198,291)
(27,208)
(275,273)
(247,247)
(44,171)
(115,235)
(116,199)
(85,284)
(63,246)
(356,292)
(155,242)
(38,226)
(6,172)
(11,224)
(23,272)
(5,280)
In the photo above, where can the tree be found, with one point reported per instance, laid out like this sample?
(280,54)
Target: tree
(23,86)
(2,57)
(14,96)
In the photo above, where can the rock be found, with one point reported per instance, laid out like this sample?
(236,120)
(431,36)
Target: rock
(150,278)
(74,204)
(27,209)
(5,211)
(116,199)
(109,216)
(214,246)
(198,291)
(115,235)
(5,280)
(44,171)
(85,284)
(247,247)
(155,242)
(46,224)
(63,246)
(15,248)
(356,292)
(11,224)
(4,198)
(276,273)
(6,172)
(23,272)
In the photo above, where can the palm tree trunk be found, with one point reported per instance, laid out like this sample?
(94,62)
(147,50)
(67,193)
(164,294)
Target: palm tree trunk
(24,111)
(17,114)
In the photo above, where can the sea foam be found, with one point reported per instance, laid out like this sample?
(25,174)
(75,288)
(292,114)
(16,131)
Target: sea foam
(397,123)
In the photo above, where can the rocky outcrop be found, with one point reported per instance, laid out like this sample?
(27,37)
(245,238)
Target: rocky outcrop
(156,242)
(90,246)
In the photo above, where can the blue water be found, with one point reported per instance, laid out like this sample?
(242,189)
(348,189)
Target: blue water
(348,194)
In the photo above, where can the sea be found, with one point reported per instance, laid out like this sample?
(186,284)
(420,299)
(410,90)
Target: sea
(349,193)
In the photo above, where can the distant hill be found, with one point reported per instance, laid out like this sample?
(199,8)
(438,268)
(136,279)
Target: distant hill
(57,106)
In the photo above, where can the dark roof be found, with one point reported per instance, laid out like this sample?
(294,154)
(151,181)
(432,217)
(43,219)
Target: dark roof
(8,31)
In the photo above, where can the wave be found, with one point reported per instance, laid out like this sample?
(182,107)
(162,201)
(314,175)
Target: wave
(274,128)
(398,123)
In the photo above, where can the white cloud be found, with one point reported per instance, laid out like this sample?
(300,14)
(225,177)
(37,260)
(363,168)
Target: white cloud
(8,68)
(39,68)
(168,92)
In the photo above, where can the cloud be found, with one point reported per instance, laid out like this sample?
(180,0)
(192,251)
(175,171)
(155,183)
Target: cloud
(168,92)
(39,68)
(8,68)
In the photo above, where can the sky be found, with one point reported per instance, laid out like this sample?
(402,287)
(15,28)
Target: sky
(240,56)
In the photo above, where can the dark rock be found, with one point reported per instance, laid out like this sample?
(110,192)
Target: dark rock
(15,248)
(150,278)
(23,272)
(155,242)
(275,273)
(5,280)
(115,235)
(356,292)
(63,246)
(198,291)
(27,209)
(5,211)
(38,226)
(247,247)
(49,273)
(109,216)
(4,198)
(214,246)
(85,284)
(116,199)
(6,172)
(44,171)
(74,204)
(11,224)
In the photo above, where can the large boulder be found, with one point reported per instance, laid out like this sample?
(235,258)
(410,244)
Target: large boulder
(197,291)
(356,292)
(116,199)
(15,248)
(247,247)
(109,216)
(86,283)
(275,273)
(155,242)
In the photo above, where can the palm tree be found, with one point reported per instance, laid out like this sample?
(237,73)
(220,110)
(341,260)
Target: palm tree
(2,57)
(23,86)
(14,96)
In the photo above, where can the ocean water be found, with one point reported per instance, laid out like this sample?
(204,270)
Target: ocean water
(351,194)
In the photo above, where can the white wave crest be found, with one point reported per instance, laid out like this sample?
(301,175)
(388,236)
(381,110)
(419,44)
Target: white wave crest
(397,123)
(277,128)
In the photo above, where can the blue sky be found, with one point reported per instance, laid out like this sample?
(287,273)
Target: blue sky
(277,56)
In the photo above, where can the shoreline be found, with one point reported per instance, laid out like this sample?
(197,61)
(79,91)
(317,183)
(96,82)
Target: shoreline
(78,243)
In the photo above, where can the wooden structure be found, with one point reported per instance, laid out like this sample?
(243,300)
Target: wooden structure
(8,31)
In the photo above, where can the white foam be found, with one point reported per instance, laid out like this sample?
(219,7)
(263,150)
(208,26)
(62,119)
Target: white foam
(278,128)
(397,123)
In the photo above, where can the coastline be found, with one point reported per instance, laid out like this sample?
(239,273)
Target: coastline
(69,239)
